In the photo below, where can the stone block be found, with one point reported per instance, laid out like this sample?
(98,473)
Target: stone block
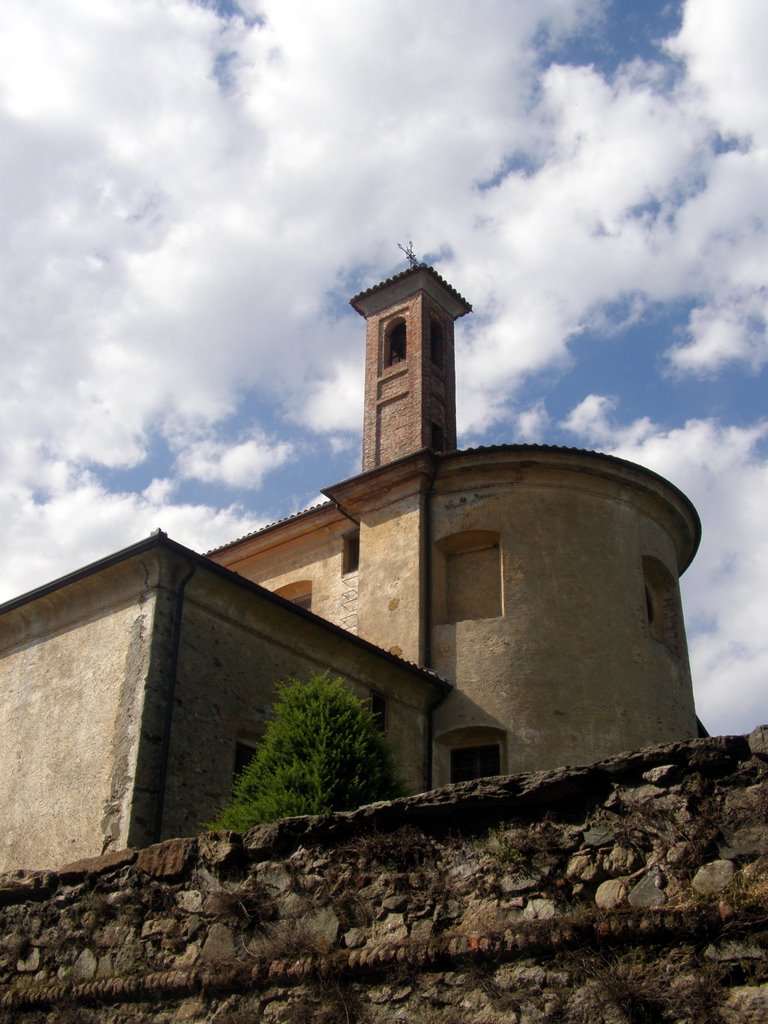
(649,891)
(21,888)
(747,1004)
(622,861)
(758,742)
(725,952)
(323,924)
(85,967)
(611,893)
(713,877)
(663,775)
(220,849)
(168,859)
(113,860)
(752,840)
(190,900)
(540,910)
(220,943)
(599,835)
(583,867)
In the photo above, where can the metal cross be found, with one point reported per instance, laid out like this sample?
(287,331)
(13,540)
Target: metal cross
(410,254)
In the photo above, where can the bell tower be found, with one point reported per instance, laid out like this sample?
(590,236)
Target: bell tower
(410,378)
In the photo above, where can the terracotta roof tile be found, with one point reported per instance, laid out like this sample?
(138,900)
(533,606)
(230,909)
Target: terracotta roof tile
(268,526)
(409,272)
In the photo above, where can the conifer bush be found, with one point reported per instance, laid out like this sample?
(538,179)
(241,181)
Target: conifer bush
(321,752)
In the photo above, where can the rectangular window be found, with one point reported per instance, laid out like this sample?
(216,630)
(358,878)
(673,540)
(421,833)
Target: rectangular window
(474,763)
(243,756)
(351,555)
(379,710)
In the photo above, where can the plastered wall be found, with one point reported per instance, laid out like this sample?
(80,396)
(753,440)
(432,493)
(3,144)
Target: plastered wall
(569,670)
(72,701)
(234,649)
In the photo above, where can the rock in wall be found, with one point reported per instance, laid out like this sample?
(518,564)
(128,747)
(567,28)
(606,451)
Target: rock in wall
(630,891)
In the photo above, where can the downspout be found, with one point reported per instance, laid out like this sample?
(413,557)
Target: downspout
(165,749)
(427,619)
(347,515)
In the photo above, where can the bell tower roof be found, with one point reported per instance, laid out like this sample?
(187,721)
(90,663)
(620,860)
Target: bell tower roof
(422,277)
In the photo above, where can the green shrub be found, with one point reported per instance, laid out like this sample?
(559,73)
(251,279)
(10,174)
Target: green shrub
(321,752)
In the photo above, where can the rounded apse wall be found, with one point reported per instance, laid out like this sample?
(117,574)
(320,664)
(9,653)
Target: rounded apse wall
(555,606)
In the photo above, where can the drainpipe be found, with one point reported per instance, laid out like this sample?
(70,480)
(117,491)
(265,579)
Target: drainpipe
(166,744)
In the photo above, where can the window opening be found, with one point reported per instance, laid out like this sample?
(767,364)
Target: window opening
(475,762)
(351,553)
(379,710)
(243,756)
(649,606)
(662,605)
(468,577)
(396,344)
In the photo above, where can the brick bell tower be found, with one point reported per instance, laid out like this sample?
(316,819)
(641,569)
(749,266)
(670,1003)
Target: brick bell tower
(410,378)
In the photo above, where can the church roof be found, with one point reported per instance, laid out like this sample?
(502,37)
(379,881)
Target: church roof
(271,526)
(533,449)
(417,268)
(160,540)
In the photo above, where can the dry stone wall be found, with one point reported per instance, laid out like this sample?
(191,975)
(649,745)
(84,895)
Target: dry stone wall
(631,891)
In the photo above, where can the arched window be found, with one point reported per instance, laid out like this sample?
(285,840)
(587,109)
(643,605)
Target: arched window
(662,604)
(468,577)
(395,348)
(299,593)
(436,342)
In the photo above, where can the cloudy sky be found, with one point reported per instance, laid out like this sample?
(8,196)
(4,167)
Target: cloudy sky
(192,191)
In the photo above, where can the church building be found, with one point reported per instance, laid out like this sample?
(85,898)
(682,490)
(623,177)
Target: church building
(503,609)
(540,582)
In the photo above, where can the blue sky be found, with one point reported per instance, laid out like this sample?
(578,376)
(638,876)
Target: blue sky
(191,192)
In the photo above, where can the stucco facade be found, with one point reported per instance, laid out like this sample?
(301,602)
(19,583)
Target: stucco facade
(127,688)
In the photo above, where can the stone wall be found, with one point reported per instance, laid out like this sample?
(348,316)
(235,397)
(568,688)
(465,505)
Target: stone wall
(631,891)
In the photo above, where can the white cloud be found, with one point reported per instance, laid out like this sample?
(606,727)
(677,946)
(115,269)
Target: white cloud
(532,423)
(592,419)
(723,47)
(237,465)
(46,536)
(335,403)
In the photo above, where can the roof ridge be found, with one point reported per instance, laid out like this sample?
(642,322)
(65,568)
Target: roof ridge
(409,272)
(268,526)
